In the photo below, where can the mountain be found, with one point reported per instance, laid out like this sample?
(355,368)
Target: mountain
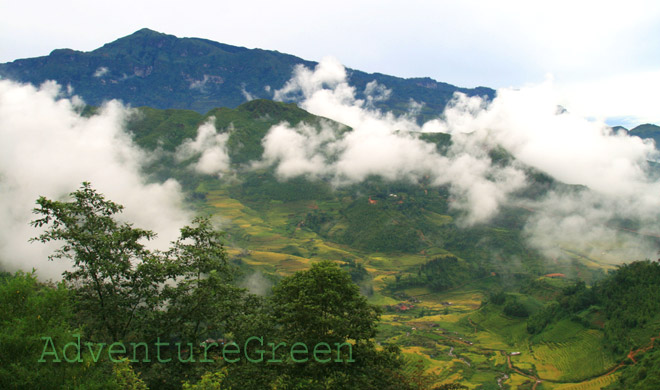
(148,68)
(649,131)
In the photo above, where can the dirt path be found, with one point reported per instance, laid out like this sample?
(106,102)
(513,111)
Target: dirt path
(631,354)
(536,379)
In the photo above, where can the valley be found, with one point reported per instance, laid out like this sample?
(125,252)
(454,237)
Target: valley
(451,332)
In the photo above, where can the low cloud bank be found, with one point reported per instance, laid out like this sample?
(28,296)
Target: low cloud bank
(529,123)
(379,144)
(47,148)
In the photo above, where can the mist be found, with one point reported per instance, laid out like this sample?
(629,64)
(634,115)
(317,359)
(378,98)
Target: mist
(379,144)
(256,283)
(609,171)
(48,149)
(210,149)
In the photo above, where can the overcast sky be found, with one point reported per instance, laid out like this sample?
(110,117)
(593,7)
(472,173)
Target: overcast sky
(602,57)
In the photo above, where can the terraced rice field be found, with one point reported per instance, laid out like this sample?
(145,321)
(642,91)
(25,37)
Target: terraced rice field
(450,334)
(580,357)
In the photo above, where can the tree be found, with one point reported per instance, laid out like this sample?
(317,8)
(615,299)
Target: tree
(203,296)
(199,303)
(126,378)
(209,381)
(323,305)
(124,292)
(115,278)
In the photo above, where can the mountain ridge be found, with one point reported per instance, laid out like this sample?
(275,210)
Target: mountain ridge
(149,68)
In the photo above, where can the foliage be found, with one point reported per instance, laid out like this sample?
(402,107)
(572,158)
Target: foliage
(629,297)
(497,298)
(439,274)
(323,305)
(356,270)
(326,300)
(187,294)
(115,278)
(29,311)
(203,296)
(515,309)
(210,381)
(126,378)
(645,375)
(124,292)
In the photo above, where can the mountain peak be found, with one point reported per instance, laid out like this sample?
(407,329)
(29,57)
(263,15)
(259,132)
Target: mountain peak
(148,32)
(141,38)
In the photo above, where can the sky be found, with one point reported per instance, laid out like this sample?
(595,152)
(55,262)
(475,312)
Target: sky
(602,57)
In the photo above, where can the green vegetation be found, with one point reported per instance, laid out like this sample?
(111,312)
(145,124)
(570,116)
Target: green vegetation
(626,305)
(120,292)
(381,264)
(31,310)
(644,375)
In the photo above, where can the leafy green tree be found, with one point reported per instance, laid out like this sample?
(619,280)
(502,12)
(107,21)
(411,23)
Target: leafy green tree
(126,378)
(210,381)
(645,375)
(114,277)
(203,298)
(124,292)
(515,309)
(200,303)
(323,305)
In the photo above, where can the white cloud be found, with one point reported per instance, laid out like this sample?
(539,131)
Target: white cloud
(570,148)
(247,95)
(529,123)
(47,149)
(297,151)
(612,167)
(101,71)
(210,146)
(627,99)
(379,144)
